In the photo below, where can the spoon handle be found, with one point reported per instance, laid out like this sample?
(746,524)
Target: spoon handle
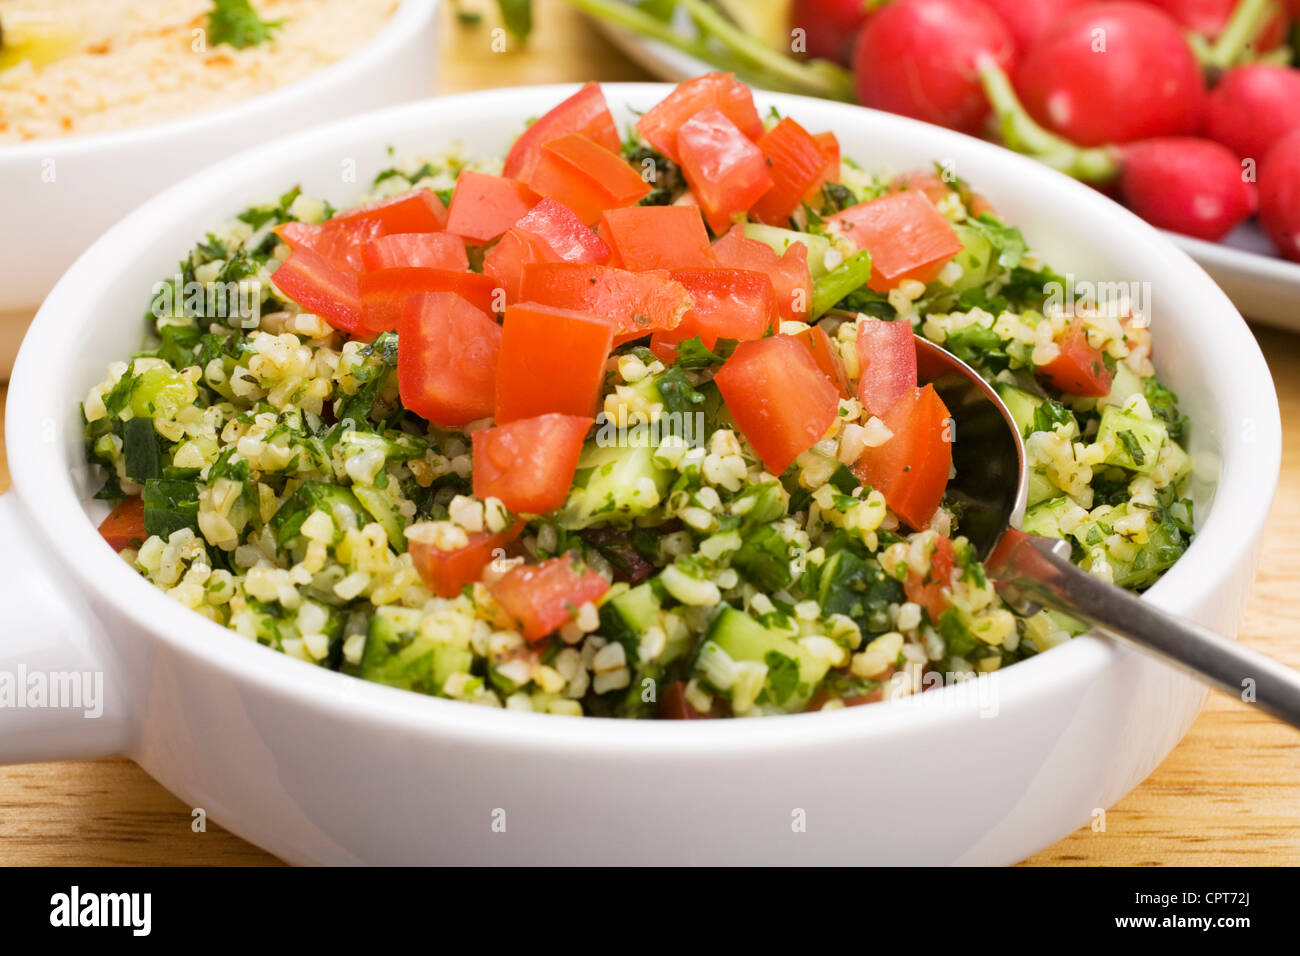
(1032,570)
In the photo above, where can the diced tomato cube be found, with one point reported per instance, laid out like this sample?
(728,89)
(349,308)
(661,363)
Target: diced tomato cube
(528,464)
(886,363)
(659,237)
(637,303)
(446,573)
(340,239)
(661,123)
(791,280)
(541,597)
(585,113)
(923,181)
(932,589)
(321,288)
(124,525)
(447,359)
(422,250)
(798,166)
(818,343)
(484,206)
(1079,369)
(550,232)
(780,399)
(586,177)
(911,468)
(830,147)
(383,292)
(552,360)
(908,238)
(726,171)
(726,304)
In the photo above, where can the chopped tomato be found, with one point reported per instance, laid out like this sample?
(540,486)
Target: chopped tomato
(791,280)
(798,166)
(931,590)
(908,238)
(818,343)
(483,206)
(585,113)
(637,303)
(659,237)
(660,125)
(542,597)
(550,232)
(780,399)
(124,526)
(921,180)
(447,359)
(384,292)
(552,360)
(586,177)
(340,239)
(673,705)
(726,171)
(725,304)
(830,147)
(321,288)
(529,464)
(1079,369)
(423,250)
(886,363)
(446,573)
(911,468)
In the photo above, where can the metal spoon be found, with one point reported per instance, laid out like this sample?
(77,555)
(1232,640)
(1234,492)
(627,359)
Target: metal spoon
(1032,572)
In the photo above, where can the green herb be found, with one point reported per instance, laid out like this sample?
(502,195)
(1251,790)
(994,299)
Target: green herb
(142,458)
(1050,414)
(235,23)
(693,353)
(679,395)
(1133,448)
(1006,240)
(1164,405)
(169,505)
(782,676)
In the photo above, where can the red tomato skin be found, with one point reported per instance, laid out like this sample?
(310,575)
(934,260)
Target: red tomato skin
(541,597)
(818,344)
(586,177)
(321,288)
(659,237)
(911,468)
(421,250)
(781,401)
(550,232)
(1252,107)
(1187,185)
(931,590)
(1079,368)
(124,525)
(585,113)
(341,239)
(886,363)
(528,464)
(798,167)
(636,303)
(383,292)
(1279,192)
(918,58)
(446,573)
(484,206)
(726,171)
(907,236)
(726,304)
(661,123)
(791,280)
(446,359)
(1089,99)
(536,341)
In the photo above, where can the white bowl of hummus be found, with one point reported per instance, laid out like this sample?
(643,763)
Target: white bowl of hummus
(105,102)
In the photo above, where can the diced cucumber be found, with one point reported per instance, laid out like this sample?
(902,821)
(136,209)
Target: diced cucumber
(849,275)
(744,639)
(779,240)
(1041,488)
(1045,517)
(1123,386)
(769,500)
(335,500)
(626,616)
(1164,545)
(1134,442)
(974,258)
(613,484)
(377,505)
(1021,405)
(159,392)
(396,653)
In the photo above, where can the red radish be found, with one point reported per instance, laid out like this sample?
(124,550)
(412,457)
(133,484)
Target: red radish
(918,57)
(1029,20)
(1279,195)
(1113,73)
(1192,186)
(1209,17)
(1252,107)
(830,26)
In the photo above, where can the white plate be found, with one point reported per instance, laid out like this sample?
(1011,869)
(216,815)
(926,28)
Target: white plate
(1264,286)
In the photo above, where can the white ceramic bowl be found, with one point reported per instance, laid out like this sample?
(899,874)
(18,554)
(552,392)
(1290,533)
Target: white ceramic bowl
(59,195)
(319,767)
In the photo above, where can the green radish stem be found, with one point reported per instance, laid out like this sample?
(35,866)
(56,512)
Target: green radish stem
(1248,20)
(1098,164)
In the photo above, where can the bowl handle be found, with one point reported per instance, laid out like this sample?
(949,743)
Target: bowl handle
(61,687)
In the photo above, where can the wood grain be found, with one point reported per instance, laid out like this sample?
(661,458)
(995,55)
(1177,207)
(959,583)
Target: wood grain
(1229,794)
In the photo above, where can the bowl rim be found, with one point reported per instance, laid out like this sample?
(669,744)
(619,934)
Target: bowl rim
(1250,473)
(402,27)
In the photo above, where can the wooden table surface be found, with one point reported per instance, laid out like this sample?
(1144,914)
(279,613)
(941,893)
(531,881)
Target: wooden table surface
(1229,794)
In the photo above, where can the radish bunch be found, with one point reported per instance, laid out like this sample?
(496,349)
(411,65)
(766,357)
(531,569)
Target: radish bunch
(1183,109)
